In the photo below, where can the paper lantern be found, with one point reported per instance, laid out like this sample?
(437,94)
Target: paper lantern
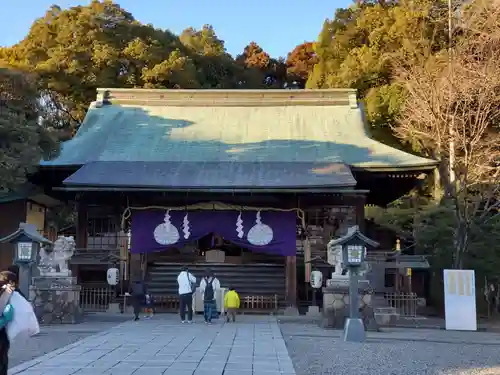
(113,276)
(316,279)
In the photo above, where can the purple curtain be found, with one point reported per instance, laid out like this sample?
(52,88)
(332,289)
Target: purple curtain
(263,231)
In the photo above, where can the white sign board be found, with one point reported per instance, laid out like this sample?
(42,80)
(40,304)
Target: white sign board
(460,300)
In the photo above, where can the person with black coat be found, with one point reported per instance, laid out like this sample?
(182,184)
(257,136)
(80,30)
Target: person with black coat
(138,292)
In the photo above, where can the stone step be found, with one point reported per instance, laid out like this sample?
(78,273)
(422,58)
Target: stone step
(247,279)
(385,316)
(386,310)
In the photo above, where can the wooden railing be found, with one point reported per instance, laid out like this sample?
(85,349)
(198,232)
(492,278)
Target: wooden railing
(96,298)
(260,303)
(169,303)
(405,303)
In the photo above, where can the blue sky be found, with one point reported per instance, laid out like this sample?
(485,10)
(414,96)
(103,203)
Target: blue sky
(277,25)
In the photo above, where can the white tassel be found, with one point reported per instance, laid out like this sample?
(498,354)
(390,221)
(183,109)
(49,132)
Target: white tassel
(185,227)
(239,226)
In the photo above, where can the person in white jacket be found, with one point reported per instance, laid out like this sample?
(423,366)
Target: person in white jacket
(187,286)
(209,287)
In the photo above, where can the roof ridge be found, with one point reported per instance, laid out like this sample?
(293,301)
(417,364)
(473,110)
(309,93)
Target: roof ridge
(244,98)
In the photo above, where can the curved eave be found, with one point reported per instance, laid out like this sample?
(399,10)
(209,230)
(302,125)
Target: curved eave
(346,190)
(395,168)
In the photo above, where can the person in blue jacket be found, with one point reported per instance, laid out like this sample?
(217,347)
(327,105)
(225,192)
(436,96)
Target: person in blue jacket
(7,311)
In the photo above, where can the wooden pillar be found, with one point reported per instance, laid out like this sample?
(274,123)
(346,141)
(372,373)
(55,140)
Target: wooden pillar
(81,225)
(81,232)
(360,212)
(135,267)
(291,282)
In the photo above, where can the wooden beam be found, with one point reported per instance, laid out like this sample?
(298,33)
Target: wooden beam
(226,98)
(81,225)
(291,281)
(360,213)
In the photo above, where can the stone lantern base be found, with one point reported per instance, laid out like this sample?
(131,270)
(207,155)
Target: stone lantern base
(336,304)
(56,299)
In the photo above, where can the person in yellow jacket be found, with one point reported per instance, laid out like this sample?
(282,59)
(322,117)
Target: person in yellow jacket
(231,304)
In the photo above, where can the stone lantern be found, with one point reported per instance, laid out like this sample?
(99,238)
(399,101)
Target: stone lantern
(27,242)
(341,296)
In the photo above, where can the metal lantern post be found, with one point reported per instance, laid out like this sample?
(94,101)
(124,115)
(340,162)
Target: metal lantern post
(354,254)
(26,241)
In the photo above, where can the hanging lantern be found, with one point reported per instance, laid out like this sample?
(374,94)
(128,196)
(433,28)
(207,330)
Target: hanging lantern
(316,279)
(113,276)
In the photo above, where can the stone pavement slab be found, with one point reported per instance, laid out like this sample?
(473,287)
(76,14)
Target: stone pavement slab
(58,336)
(252,346)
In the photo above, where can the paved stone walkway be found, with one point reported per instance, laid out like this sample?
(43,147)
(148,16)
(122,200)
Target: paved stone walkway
(252,346)
(58,336)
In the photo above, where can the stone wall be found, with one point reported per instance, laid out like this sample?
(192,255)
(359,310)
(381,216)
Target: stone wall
(336,306)
(339,300)
(56,300)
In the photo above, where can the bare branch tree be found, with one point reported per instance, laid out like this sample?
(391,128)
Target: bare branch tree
(463,89)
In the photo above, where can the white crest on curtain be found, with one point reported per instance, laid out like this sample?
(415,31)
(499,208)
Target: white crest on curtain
(185,227)
(260,234)
(239,226)
(166,233)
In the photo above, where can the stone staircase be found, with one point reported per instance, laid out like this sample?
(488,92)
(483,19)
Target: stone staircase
(249,280)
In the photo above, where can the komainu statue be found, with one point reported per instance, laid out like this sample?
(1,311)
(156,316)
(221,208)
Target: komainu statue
(56,261)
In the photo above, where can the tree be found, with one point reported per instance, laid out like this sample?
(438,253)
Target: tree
(76,50)
(203,42)
(453,101)
(176,72)
(26,135)
(428,228)
(300,62)
(215,67)
(254,56)
(254,65)
(364,44)
(276,75)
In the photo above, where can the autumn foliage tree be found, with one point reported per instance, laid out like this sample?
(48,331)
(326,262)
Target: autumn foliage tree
(362,46)
(76,50)
(254,63)
(73,51)
(300,63)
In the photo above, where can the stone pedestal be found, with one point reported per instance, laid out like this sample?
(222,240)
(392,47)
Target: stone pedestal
(313,312)
(114,308)
(291,311)
(56,299)
(336,304)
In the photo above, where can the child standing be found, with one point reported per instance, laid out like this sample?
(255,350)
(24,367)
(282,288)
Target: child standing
(149,306)
(231,304)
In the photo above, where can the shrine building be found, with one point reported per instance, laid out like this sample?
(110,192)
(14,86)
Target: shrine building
(249,183)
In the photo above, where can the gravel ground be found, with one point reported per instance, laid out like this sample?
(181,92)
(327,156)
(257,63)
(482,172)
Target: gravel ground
(392,352)
(55,337)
